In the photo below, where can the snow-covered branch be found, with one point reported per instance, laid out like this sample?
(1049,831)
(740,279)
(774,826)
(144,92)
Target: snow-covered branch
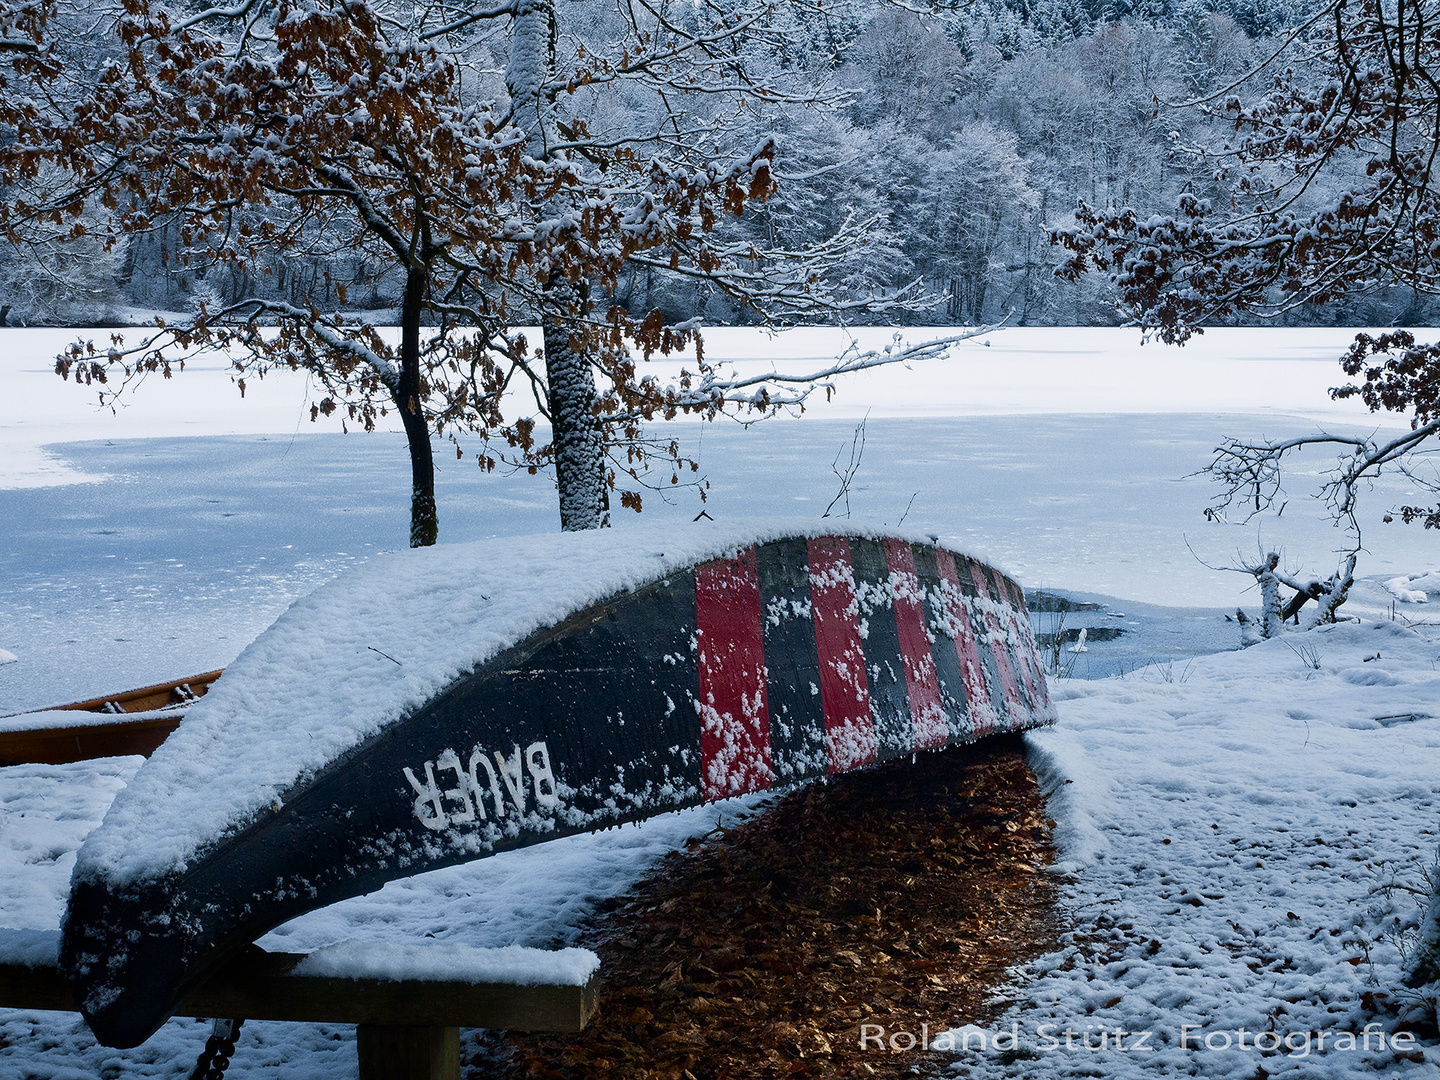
(710,391)
(239,11)
(333,335)
(1250,473)
(468,19)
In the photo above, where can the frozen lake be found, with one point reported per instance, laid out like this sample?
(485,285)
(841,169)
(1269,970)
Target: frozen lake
(137,548)
(158,542)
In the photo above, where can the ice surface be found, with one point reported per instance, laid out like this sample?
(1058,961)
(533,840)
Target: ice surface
(1068,454)
(198,544)
(1020,370)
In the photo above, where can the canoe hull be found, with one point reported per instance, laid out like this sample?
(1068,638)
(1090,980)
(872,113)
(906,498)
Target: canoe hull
(791,659)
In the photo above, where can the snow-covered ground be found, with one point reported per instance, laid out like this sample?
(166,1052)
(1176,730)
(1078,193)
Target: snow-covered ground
(1201,802)
(1232,825)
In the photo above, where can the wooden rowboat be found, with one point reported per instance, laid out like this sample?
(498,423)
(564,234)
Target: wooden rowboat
(670,680)
(47,740)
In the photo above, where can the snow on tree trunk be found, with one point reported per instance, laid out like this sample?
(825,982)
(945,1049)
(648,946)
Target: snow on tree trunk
(1334,593)
(1248,634)
(530,72)
(578,439)
(1272,621)
(1328,597)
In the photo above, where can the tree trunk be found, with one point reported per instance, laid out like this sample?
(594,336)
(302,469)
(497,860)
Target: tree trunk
(578,439)
(424,522)
(1272,623)
(530,73)
(1298,602)
(1335,593)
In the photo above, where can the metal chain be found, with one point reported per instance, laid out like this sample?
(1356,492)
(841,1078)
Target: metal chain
(219,1048)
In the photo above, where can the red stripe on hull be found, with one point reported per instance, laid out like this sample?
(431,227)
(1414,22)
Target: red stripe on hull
(1025,651)
(972,670)
(734,713)
(922,684)
(998,648)
(844,687)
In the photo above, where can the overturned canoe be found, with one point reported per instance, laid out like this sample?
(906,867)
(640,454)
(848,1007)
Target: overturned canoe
(486,697)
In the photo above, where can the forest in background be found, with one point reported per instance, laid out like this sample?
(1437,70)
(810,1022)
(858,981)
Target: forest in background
(950,141)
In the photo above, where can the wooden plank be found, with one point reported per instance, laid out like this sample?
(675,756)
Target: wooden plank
(147,698)
(261,986)
(62,745)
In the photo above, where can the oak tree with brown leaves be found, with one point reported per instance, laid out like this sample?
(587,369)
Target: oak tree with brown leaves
(364,126)
(343,119)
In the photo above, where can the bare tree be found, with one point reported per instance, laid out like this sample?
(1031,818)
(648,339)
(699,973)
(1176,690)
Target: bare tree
(1276,611)
(1333,196)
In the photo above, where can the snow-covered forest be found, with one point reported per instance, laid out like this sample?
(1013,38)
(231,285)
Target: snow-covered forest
(918,158)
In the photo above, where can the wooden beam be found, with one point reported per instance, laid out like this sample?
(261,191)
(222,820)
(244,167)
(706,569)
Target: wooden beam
(257,985)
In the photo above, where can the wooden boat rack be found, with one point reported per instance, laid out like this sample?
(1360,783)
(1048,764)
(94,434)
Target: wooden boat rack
(407,1029)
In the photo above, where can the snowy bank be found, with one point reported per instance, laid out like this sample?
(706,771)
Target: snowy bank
(1234,832)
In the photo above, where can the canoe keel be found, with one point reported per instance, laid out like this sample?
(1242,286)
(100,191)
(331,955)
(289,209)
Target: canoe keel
(789,659)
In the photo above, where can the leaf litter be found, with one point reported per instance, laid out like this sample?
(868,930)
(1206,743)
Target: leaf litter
(898,897)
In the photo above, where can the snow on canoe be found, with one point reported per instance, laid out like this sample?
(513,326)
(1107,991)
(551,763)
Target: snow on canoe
(439,705)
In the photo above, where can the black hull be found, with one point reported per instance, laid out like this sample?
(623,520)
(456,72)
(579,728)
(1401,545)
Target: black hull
(796,659)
